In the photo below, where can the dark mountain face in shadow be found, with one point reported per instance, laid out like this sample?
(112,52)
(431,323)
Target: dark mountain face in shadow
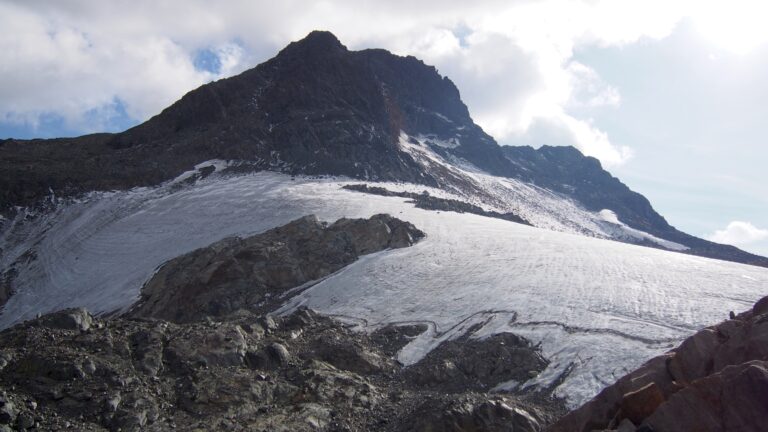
(318,108)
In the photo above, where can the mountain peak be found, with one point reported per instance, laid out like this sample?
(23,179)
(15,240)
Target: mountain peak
(316,42)
(322,37)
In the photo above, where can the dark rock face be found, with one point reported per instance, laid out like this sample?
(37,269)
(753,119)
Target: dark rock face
(252,273)
(568,171)
(316,108)
(6,290)
(716,380)
(735,399)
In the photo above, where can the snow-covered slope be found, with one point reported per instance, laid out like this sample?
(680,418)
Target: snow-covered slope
(601,306)
(542,207)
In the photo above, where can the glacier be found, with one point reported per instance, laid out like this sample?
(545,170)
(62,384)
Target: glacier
(598,308)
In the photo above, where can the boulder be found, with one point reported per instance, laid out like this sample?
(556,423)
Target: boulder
(735,399)
(25,421)
(348,355)
(8,410)
(36,367)
(325,384)
(222,346)
(68,319)
(274,356)
(469,363)
(760,307)
(636,406)
(626,425)
(693,358)
(147,349)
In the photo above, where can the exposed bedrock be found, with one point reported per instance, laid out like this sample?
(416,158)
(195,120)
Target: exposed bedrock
(715,381)
(237,274)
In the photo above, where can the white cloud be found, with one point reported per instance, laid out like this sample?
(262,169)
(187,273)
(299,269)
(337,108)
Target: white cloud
(739,233)
(60,67)
(589,89)
(512,60)
(737,25)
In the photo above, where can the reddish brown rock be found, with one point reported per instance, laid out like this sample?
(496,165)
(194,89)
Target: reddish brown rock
(598,413)
(638,405)
(736,399)
(692,358)
(716,380)
(761,306)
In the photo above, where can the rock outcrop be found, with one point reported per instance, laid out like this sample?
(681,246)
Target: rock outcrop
(425,201)
(715,381)
(253,273)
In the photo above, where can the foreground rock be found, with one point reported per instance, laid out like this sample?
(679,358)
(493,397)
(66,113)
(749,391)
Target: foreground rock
(302,372)
(715,381)
(252,273)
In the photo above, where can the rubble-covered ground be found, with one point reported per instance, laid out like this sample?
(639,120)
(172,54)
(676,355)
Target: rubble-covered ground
(70,371)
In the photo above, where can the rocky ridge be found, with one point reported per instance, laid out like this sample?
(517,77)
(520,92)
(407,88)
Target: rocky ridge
(253,273)
(425,201)
(715,381)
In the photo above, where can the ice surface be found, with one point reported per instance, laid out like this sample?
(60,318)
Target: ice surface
(603,306)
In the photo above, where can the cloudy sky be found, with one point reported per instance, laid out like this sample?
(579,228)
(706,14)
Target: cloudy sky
(669,95)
